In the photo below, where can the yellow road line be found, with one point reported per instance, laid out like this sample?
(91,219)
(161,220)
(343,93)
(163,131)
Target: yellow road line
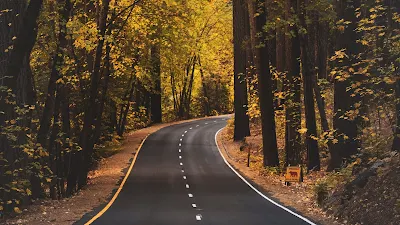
(120,186)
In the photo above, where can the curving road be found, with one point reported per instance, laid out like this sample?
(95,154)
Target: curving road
(180,178)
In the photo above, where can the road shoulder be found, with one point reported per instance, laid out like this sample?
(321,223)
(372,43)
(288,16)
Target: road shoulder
(295,197)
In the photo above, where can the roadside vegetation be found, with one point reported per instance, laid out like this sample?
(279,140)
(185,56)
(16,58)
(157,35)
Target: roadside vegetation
(76,75)
(317,86)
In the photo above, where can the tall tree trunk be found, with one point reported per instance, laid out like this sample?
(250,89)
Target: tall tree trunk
(346,129)
(270,149)
(207,110)
(106,81)
(190,88)
(280,60)
(66,129)
(52,148)
(125,109)
(241,129)
(323,43)
(292,89)
(16,75)
(250,6)
(86,137)
(22,47)
(174,94)
(308,70)
(58,59)
(394,6)
(156,111)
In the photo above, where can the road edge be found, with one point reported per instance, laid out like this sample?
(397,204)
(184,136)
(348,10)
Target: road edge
(255,189)
(109,204)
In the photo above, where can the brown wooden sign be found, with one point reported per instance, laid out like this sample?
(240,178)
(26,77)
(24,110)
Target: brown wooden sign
(293,174)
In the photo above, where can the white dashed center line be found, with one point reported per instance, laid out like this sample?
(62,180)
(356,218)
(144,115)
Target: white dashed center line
(198,216)
(206,123)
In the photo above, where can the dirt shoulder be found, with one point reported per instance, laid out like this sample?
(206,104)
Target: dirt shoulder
(297,196)
(102,183)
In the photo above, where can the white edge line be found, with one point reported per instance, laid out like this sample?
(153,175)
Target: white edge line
(255,189)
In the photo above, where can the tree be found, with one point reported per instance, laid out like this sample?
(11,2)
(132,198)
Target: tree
(307,45)
(87,132)
(17,90)
(156,111)
(270,149)
(292,88)
(240,85)
(346,128)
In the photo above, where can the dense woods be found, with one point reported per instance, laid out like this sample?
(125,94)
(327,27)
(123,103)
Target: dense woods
(327,80)
(76,75)
(318,78)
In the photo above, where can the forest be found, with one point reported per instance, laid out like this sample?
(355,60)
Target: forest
(318,78)
(77,75)
(328,71)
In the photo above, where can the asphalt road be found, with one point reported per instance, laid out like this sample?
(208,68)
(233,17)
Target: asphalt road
(180,178)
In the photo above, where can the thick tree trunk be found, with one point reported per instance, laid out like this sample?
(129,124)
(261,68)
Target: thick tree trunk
(270,149)
(346,128)
(241,129)
(156,111)
(292,87)
(16,75)
(307,43)
(323,43)
(394,6)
